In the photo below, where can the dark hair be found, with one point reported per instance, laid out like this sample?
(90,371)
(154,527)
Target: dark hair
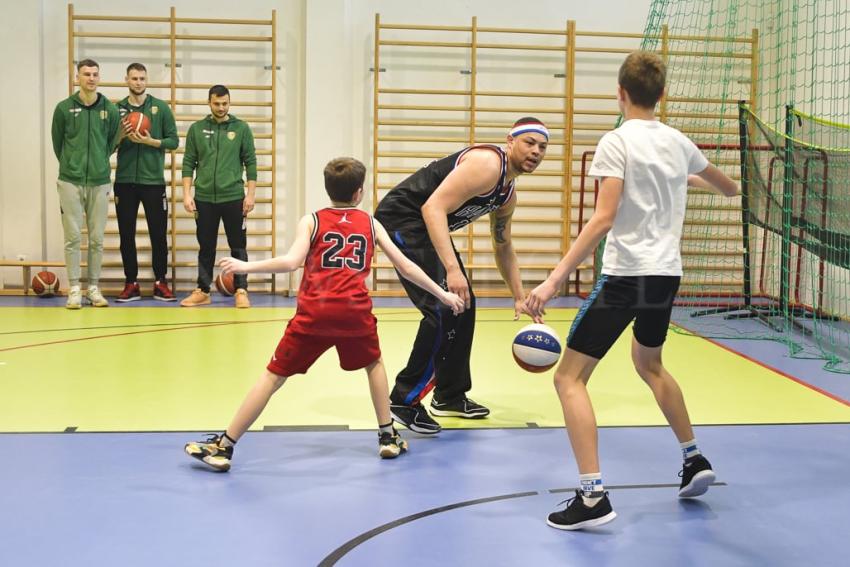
(643,75)
(218,90)
(87,63)
(527,120)
(136,67)
(343,177)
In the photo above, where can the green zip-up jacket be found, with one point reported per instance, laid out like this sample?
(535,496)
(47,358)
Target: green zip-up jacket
(219,151)
(83,139)
(139,163)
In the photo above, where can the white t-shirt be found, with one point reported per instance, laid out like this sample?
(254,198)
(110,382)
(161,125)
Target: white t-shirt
(654,161)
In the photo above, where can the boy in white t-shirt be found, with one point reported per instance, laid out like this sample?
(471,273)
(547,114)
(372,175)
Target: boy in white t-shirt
(644,168)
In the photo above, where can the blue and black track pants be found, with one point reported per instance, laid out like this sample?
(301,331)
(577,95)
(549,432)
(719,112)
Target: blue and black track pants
(439,359)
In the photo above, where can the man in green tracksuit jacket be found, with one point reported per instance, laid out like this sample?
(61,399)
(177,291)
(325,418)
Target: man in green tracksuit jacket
(84,132)
(139,179)
(218,148)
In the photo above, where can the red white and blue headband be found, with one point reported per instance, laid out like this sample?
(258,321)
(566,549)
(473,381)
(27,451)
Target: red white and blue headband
(530,127)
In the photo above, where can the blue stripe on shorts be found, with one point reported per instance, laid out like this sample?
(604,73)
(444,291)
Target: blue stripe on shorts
(586,305)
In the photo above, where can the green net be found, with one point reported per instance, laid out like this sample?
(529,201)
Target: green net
(775,262)
(796,214)
(820,191)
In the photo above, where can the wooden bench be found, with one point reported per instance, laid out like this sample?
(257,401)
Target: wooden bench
(27,266)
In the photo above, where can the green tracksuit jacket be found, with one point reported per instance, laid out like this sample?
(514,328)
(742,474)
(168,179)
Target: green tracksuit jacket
(83,139)
(219,152)
(138,163)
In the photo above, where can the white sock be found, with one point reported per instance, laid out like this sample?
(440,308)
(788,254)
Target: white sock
(689,450)
(592,488)
(388,428)
(225,440)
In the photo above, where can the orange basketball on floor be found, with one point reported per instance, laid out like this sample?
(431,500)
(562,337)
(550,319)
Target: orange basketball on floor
(224,284)
(139,123)
(45,284)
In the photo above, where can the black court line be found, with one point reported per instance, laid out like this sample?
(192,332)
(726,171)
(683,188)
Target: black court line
(288,428)
(332,428)
(136,326)
(168,327)
(184,327)
(203,323)
(199,431)
(342,550)
(628,487)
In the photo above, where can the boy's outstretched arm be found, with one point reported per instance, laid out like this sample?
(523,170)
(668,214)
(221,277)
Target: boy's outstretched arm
(414,273)
(610,192)
(289,262)
(715,180)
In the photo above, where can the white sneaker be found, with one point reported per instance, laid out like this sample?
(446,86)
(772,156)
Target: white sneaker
(75,298)
(96,298)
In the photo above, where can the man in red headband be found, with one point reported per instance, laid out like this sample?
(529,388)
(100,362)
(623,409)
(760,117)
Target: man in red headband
(420,213)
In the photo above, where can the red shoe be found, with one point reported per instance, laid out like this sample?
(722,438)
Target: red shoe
(162,292)
(130,293)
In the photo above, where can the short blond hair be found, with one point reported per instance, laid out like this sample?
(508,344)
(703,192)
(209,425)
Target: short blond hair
(643,75)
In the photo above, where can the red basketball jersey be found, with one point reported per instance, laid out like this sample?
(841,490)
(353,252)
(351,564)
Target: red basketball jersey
(333,299)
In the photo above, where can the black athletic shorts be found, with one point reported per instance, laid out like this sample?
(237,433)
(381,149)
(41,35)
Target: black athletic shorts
(617,300)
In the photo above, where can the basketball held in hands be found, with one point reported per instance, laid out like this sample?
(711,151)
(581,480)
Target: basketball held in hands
(138,123)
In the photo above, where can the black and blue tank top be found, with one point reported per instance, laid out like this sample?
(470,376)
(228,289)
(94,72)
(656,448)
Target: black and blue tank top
(402,206)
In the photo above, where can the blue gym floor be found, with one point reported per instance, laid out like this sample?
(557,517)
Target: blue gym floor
(467,497)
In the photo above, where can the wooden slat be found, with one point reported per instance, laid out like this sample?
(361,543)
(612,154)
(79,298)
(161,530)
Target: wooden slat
(181,225)
(459,118)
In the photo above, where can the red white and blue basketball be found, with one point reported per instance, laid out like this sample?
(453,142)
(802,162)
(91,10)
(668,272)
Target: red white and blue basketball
(536,347)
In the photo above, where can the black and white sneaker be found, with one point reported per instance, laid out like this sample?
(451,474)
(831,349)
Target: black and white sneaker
(415,418)
(461,407)
(391,445)
(211,452)
(577,515)
(697,476)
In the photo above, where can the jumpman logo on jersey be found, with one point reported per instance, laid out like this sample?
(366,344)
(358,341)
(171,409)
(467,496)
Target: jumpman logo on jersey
(344,219)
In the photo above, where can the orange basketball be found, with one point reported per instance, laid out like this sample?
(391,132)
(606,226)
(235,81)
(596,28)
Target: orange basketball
(45,284)
(224,284)
(139,123)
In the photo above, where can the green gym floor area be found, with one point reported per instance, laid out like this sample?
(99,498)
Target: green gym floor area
(98,404)
(173,369)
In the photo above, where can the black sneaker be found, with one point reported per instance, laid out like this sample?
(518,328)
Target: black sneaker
(461,407)
(391,445)
(697,476)
(577,516)
(415,418)
(211,453)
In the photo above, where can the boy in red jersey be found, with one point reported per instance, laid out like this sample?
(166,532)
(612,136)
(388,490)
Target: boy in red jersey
(336,245)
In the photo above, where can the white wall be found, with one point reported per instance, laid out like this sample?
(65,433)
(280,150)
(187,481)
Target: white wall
(324,88)
(339,51)
(22,130)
